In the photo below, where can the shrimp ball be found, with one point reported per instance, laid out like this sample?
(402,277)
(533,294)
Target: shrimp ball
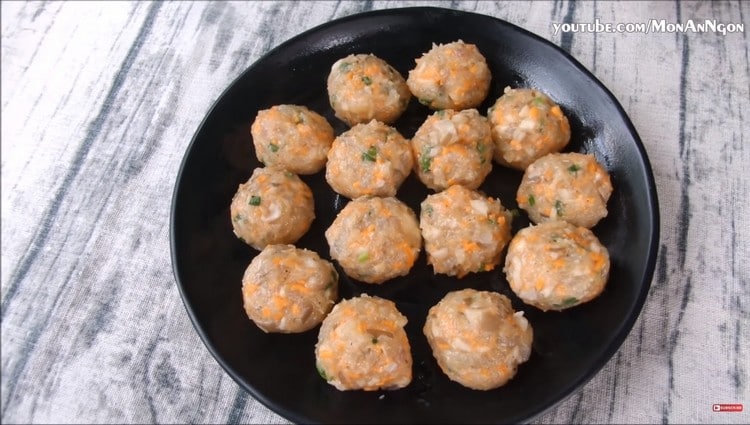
(288,290)
(556,265)
(375,239)
(362,345)
(292,137)
(453,147)
(450,76)
(369,159)
(464,231)
(526,125)
(364,87)
(273,207)
(565,186)
(477,338)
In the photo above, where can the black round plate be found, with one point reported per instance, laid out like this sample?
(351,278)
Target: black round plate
(279,370)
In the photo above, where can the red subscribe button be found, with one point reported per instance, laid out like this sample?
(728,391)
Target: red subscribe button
(734,407)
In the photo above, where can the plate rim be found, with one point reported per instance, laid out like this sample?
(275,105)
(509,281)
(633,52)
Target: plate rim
(626,325)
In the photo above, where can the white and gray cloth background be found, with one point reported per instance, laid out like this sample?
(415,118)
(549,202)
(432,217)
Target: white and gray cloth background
(100,101)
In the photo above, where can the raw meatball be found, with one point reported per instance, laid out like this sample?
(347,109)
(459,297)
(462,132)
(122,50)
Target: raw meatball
(565,186)
(288,290)
(364,87)
(477,338)
(453,148)
(464,231)
(274,207)
(370,159)
(362,345)
(375,239)
(450,76)
(292,137)
(556,265)
(526,125)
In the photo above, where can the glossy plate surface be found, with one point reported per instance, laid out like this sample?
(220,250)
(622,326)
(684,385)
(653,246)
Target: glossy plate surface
(279,370)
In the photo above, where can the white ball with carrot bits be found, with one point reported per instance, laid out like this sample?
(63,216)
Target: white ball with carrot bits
(273,207)
(556,265)
(464,231)
(288,290)
(573,187)
(369,159)
(453,147)
(477,338)
(362,345)
(450,76)
(375,239)
(526,125)
(364,87)
(292,137)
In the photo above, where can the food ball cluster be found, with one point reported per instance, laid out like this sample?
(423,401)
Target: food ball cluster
(453,147)
(288,289)
(292,137)
(572,187)
(273,207)
(364,87)
(477,338)
(556,265)
(451,76)
(464,231)
(370,159)
(526,125)
(375,239)
(362,345)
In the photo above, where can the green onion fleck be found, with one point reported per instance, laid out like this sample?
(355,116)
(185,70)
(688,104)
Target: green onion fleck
(366,80)
(364,256)
(424,163)
(567,302)
(441,113)
(322,372)
(274,148)
(532,201)
(538,101)
(425,160)
(370,154)
(559,208)
(238,218)
(574,168)
(334,280)
(254,200)
(344,67)
(481,148)
(429,210)
(424,102)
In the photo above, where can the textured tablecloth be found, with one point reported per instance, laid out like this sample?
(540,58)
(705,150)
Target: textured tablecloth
(100,101)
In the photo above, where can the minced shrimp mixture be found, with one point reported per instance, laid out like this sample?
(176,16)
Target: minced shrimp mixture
(477,338)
